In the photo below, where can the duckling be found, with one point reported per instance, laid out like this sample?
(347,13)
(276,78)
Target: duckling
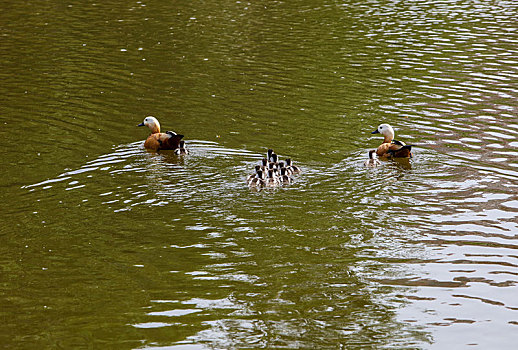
(272,180)
(372,161)
(181,150)
(269,154)
(159,140)
(295,169)
(390,147)
(273,158)
(273,166)
(257,181)
(284,178)
(253,176)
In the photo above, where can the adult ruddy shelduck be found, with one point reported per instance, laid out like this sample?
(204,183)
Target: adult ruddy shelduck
(391,148)
(160,140)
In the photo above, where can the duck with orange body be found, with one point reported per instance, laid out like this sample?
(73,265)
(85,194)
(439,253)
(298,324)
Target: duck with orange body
(391,148)
(157,140)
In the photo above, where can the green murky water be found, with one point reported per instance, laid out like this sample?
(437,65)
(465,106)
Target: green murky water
(105,245)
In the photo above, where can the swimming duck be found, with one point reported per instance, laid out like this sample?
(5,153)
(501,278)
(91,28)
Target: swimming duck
(289,165)
(284,178)
(272,166)
(254,175)
(272,180)
(273,158)
(269,154)
(390,147)
(160,140)
(181,150)
(372,161)
(264,164)
(257,181)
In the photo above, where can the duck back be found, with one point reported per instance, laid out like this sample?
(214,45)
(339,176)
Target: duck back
(163,141)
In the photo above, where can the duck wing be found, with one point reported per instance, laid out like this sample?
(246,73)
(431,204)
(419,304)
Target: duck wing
(163,141)
(170,140)
(401,152)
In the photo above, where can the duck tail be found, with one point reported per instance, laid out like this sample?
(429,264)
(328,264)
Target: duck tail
(173,142)
(403,152)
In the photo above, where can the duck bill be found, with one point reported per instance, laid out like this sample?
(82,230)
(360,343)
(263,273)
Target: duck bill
(141,124)
(375,132)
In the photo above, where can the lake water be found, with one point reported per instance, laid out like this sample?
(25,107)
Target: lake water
(105,245)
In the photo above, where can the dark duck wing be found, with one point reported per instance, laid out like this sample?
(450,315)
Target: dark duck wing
(171,140)
(163,141)
(399,149)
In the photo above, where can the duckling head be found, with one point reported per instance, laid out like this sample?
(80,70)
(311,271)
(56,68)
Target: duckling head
(385,130)
(152,123)
(372,154)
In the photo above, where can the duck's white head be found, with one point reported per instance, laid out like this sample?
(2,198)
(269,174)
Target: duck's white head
(152,123)
(385,130)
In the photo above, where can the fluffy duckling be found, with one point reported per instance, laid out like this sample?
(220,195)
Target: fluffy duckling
(288,170)
(272,180)
(372,161)
(257,181)
(269,154)
(273,167)
(160,140)
(181,150)
(253,176)
(295,169)
(284,178)
(273,158)
(390,147)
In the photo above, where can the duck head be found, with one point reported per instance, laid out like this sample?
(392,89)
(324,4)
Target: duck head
(152,123)
(372,154)
(385,130)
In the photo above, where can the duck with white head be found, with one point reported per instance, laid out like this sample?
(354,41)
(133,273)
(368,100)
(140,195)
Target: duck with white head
(391,148)
(157,140)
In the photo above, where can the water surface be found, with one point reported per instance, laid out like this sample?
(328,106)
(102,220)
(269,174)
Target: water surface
(107,245)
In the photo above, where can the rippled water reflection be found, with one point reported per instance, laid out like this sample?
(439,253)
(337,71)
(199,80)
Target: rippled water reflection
(104,243)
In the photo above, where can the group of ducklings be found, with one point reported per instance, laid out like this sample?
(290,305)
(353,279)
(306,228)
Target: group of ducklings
(271,172)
